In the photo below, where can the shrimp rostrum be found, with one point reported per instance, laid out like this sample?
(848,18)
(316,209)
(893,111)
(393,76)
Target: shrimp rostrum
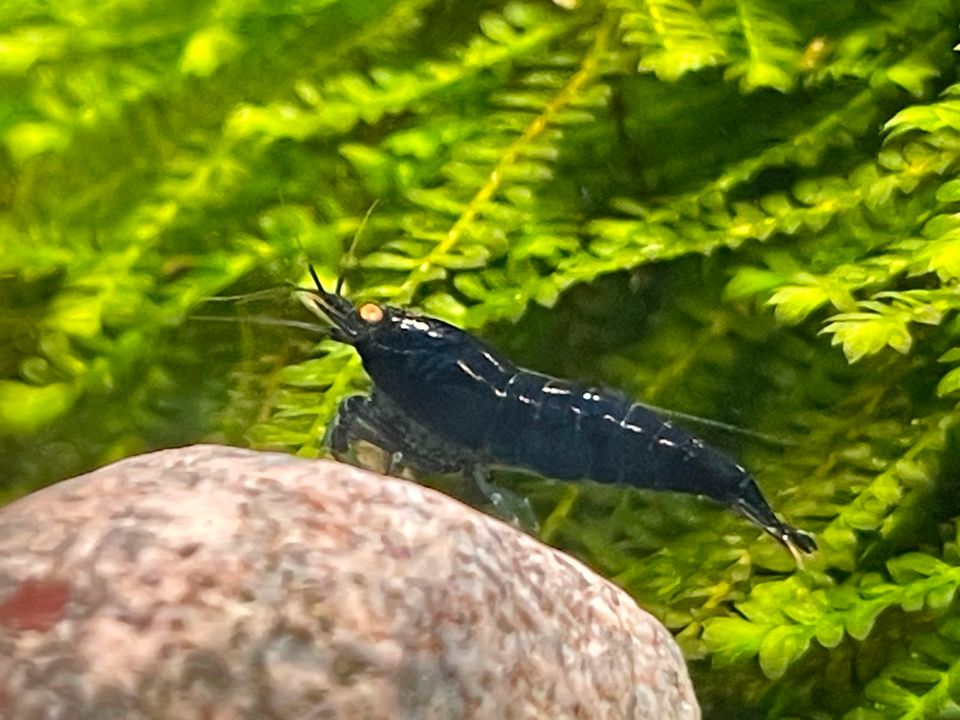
(444,402)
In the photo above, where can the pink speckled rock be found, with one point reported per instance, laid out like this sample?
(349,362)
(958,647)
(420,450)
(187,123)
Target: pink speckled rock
(216,583)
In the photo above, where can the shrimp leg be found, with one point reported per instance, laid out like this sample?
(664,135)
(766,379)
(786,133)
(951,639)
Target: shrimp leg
(376,420)
(509,506)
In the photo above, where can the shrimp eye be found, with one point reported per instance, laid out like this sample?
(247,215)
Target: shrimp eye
(371,313)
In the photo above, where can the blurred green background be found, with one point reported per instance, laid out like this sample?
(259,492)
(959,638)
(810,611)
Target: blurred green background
(740,209)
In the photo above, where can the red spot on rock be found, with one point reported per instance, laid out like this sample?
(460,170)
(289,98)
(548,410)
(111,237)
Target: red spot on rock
(35,605)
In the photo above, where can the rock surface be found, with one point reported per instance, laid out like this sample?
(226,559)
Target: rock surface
(213,583)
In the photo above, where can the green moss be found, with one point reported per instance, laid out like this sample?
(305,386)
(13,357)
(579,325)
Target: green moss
(740,209)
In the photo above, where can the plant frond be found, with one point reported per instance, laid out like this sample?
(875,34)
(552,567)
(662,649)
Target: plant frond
(672,36)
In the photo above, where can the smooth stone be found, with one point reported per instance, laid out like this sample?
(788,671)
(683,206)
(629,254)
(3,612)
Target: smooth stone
(218,583)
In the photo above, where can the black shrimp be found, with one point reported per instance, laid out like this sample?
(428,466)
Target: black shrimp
(445,402)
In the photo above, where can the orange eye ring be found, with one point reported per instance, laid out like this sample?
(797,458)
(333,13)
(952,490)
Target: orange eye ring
(371,313)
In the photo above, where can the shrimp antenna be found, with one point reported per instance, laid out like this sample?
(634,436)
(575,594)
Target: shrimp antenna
(247,297)
(263,320)
(313,274)
(726,427)
(353,246)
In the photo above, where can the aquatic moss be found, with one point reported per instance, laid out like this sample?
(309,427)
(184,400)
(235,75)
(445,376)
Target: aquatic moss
(741,209)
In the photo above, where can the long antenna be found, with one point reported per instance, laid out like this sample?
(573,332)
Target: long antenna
(247,297)
(353,247)
(706,422)
(263,320)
